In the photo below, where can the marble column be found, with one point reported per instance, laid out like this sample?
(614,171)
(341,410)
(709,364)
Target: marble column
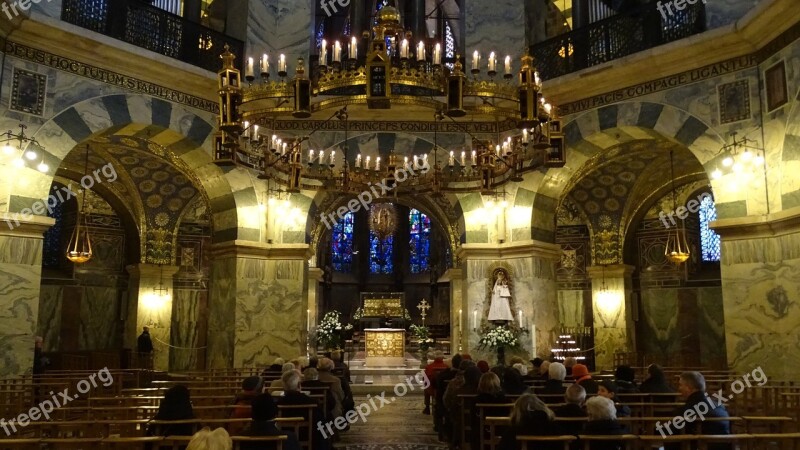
(455,278)
(531,267)
(20,280)
(315,278)
(257,303)
(760,270)
(147,309)
(611,306)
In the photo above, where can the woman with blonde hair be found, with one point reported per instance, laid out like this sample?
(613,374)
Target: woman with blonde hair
(206,439)
(530,416)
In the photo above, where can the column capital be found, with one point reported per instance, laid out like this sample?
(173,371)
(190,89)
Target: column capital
(146,270)
(451,274)
(763,226)
(11,224)
(247,249)
(610,271)
(316,274)
(521,249)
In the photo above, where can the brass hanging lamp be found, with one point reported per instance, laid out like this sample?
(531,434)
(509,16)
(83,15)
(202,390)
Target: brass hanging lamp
(79,250)
(677,248)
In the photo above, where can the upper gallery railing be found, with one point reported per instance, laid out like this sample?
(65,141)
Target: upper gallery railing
(152,28)
(620,35)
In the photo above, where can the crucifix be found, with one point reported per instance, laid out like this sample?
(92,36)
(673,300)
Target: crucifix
(423,308)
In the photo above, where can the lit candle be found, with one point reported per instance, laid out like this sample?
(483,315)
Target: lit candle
(255,132)
(452,158)
(520,318)
(536,77)
(460,320)
(366,166)
(525,135)
(282,63)
(311,156)
(358,161)
(463,158)
(333,157)
(476,59)
(246,129)
(474,158)
(497,150)
(265,64)
(505,147)
(437,54)
(492,62)
(548,107)
(420,51)
(353,52)
(284,148)
(405,160)
(322,156)
(323,53)
(508,65)
(378,163)
(475,318)
(249,73)
(337,52)
(404,48)
(308,320)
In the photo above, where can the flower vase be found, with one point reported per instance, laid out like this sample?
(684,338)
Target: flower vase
(501,356)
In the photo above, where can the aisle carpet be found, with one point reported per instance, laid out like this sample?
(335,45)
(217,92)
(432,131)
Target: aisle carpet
(399,425)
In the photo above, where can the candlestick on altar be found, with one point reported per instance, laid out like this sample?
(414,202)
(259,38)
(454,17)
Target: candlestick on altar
(423,308)
(520,318)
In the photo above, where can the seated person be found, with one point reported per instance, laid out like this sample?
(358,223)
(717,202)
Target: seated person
(555,382)
(325,369)
(177,405)
(529,417)
(205,439)
(264,412)
(656,382)
(251,387)
(277,385)
(609,389)
(311,380)
(293,397)
(692,386)
(276,366)
(544,371)
(625,376)
(574,396)
(582,376)
(603,421)
(432,370)
(512,382)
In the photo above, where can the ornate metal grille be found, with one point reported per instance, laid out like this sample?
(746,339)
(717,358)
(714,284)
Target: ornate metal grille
(151,28)
(615,37)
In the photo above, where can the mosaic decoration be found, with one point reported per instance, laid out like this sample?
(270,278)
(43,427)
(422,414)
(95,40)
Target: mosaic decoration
(734,101)
(28,92)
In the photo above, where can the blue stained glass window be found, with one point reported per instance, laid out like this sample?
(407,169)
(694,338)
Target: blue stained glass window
(380,254)
(320,35)
(449,45)
(342,244)
(420,232)
(709,240)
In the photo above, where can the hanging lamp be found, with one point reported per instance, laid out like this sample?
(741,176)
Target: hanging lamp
(79,250)
(677,248)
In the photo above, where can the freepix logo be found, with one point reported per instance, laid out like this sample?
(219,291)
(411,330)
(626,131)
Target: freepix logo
(13,9)
(666,7)
(330,5)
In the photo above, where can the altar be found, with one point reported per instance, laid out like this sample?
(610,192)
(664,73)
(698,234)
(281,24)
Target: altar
(385,347)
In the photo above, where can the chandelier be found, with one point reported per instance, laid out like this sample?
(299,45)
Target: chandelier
(677,248)
(79,249)
(384,75)
(25,142)
(742,158)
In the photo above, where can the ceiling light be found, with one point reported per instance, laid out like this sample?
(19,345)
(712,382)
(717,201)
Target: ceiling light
(8,149)
(758,160)
(30,154)
(727,162)
(747,155)
(43,167)
(19,163)
(716,174)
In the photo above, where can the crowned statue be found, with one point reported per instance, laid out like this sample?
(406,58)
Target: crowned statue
(500,307)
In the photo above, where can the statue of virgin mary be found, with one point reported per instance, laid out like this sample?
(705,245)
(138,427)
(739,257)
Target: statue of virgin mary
(500,307)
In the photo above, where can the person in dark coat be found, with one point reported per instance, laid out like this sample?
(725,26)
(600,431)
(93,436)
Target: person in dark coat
(264,412)
(530,417)
(656,382)
(625,376)
(442,380)
(143,343)
(512,382)
(575,396)
(311,380)
(177,405)
(293,396)
(603,421)
(692,386)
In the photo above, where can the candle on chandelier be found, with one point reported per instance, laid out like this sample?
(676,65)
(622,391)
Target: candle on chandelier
(333,157)
(358,161)
(548,107)
(311,156)
(497,150)
(366,166)
(525,135)
(255,133)
(337,52)
(463,158)
(405,160)
(520,318)
(421,51)
(282,63)
(437,54)
(284,148)
(475,318)
(505,147)
(476,60)
(323,53)
(353,51)
(249,72)
(452,158)
(322,156)
(508,65)
(264,64)
(474,158)
(404,49)
(536,77)
(378,163)
(308,320)
(246,129)
(492,62)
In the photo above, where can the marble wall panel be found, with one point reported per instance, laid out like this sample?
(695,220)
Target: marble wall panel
(659,335)
(100,322)
(20,272)
(711,327)
(221,313)
(49,323)
(570,308)
(279,26)
(495,25)
(184,337)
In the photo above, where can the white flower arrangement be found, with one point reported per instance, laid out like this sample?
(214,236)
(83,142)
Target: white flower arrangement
(328,330)
(422,334)
(499,337)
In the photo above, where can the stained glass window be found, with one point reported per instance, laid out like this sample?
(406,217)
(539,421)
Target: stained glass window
(420,232)
(449,45)
(709,240)
(342,244)
(52,254)
(320,35)
(380,254)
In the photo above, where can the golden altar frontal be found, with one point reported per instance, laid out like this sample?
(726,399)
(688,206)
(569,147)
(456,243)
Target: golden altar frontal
(385,347)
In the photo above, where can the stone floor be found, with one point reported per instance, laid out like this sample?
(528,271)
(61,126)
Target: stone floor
(398,425)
